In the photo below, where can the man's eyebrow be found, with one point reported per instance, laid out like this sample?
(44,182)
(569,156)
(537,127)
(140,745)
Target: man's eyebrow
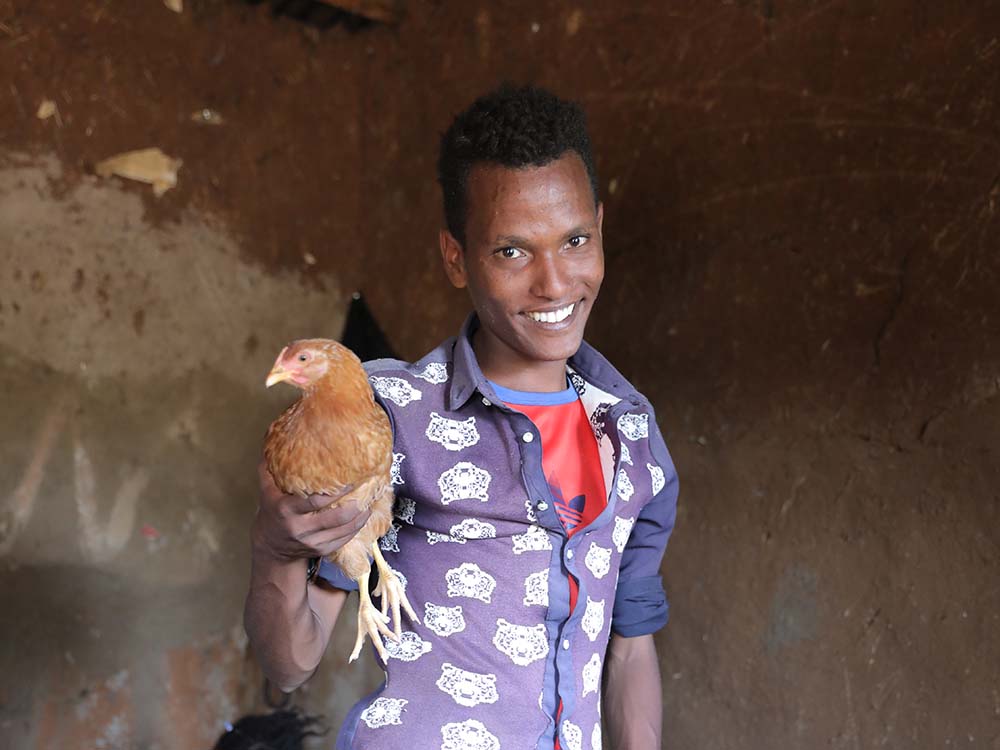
(510,240)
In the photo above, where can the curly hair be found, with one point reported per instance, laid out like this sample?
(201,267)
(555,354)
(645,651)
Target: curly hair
(514,126)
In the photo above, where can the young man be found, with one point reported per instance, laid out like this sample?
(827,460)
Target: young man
(534,493)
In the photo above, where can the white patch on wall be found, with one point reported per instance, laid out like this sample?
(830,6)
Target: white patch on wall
(101,542)
(91,252)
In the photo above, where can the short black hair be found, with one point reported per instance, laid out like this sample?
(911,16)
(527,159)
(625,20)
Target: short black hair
(513,126)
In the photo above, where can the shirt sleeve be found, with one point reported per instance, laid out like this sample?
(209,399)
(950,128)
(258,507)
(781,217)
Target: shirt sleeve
(641,605)
(335,577)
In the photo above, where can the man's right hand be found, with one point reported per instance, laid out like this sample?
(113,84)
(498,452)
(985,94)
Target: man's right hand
(289,527)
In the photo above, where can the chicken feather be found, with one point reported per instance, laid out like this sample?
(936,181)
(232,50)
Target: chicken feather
(337,438)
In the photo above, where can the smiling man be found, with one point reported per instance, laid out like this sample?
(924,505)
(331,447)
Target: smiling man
(535,495)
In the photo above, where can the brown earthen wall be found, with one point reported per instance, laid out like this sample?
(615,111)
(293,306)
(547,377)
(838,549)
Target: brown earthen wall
(802,211)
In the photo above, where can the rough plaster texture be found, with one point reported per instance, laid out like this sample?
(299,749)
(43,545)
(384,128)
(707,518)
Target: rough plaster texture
(801,219)
(133,361)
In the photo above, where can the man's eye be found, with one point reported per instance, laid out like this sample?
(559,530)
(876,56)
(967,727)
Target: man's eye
(580,239)
(510,252)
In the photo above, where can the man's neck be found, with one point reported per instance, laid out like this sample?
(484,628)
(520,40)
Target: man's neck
(502,365)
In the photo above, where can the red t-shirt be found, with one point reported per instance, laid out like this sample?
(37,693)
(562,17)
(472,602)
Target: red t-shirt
(570,460)
(570,457)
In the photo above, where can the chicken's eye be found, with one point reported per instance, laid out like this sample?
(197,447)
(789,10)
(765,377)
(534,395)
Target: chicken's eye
(303,358)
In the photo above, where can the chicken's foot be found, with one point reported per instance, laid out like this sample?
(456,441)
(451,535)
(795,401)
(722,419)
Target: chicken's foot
(370,621)
(392,592)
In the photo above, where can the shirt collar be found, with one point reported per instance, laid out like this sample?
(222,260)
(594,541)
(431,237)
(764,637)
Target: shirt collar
(467,378)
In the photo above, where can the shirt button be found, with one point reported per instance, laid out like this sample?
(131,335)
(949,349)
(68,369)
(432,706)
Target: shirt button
(542,505)
(569,554)
(527,437)
(566,645)
(486,402)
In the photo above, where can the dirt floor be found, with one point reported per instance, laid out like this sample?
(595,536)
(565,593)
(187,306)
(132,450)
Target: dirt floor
(802,210)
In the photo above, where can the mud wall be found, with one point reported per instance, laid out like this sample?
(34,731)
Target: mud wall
(802,215)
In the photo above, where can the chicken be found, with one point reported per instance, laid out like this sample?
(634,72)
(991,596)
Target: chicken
(335,437)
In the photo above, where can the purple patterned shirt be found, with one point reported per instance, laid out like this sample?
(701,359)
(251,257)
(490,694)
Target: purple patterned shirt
(485,560)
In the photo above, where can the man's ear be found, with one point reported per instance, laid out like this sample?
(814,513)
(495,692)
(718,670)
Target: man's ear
(600,219)
(453,257)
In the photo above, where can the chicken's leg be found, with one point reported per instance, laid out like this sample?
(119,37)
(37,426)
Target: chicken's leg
(370,621)
(391,591)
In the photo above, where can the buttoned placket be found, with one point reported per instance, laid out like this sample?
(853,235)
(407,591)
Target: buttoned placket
(562,629)
(565,675)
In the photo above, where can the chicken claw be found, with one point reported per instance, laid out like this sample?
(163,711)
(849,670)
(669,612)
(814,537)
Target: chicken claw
(371,622)
(392,593)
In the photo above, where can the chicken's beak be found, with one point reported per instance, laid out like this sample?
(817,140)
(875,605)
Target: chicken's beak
(277,375)
(278,372)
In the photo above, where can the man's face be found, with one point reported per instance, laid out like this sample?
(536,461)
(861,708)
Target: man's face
(533,259)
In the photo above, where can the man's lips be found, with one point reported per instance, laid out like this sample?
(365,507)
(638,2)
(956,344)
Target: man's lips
(553,315)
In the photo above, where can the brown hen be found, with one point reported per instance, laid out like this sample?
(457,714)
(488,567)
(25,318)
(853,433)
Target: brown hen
(337,437)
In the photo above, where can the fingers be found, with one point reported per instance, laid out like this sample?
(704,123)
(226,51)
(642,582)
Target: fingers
(345,519)
(267,486)
(316,503)
(325,542)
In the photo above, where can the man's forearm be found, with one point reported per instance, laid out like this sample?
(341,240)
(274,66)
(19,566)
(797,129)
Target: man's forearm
(633,706)
(286,632)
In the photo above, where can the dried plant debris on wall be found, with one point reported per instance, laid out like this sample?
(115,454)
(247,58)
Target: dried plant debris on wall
(149,165)
(352,14)
(47,109)
(207,116)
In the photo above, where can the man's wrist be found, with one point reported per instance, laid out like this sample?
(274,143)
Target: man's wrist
(273,565)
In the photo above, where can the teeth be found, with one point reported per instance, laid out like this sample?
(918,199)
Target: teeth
(556,316)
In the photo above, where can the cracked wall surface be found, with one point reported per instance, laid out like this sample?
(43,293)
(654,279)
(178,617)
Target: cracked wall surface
(801,229)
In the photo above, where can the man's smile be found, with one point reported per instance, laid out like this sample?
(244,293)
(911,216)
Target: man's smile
(553,317)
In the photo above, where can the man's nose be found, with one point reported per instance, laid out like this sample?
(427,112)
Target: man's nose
(551,280)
